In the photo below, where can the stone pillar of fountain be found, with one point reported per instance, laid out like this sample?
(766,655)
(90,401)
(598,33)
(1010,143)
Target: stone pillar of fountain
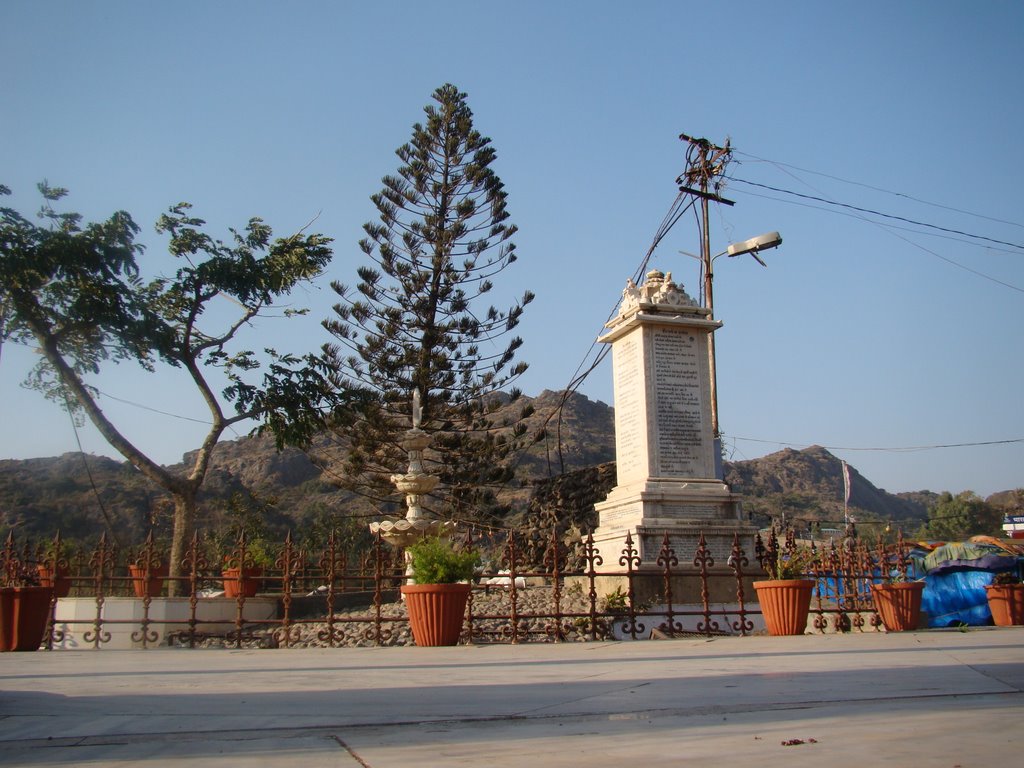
(415,483)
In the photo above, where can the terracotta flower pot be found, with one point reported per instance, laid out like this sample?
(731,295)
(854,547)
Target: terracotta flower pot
(151,587)
(244,581)
(899,604)
(436,612)
(61,583)
(785,604)
(1006,601)
(24,612)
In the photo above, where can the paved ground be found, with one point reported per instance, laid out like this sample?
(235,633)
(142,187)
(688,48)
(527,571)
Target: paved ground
(937,698)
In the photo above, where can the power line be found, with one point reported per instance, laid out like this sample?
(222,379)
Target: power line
(891,229)
(154,410)
(873,212)
(952,261)
(583,370)
(205,423)
(890,449)
(135,404)
(111,528)
(880,189)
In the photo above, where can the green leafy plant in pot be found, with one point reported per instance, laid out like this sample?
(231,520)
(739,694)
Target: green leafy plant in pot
(244,568)
(242,545)
(436,600)
(785,596)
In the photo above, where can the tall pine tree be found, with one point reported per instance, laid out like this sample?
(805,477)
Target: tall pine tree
(418,321)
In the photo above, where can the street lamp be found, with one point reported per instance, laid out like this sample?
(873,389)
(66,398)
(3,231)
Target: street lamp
(752,246)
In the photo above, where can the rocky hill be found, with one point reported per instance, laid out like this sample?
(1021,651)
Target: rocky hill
(808,485)
(568,470)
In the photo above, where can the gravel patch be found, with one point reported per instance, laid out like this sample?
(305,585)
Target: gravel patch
(491,609)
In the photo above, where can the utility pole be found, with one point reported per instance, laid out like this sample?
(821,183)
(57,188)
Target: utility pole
(705,162)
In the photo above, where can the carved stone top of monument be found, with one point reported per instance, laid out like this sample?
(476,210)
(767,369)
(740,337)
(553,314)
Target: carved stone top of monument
(657,294)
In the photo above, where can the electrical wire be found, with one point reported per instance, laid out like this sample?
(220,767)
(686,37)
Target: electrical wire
(782,165)
(882,449)
(155,410)
(111,528)
(891,229)
(887,226)
(583,370)
(873,212)
(953,262)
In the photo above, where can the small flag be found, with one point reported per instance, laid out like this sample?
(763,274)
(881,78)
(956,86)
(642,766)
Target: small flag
(846,492)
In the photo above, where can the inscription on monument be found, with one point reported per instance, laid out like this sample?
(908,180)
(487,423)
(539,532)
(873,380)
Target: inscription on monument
(685,548)
(630,422)
(679,412)
(690,511)
(619,518)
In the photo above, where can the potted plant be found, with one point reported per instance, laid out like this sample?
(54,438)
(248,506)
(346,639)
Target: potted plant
(243,569)
(241,545)
(148,578)
(53,568)
(785,596)
(149,570)
(436,600)
(898,601)
(1006,599)
(24,608)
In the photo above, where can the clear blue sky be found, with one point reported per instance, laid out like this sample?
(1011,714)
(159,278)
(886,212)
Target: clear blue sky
(862,334)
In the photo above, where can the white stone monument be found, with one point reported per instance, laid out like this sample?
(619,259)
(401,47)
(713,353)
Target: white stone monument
(669,478)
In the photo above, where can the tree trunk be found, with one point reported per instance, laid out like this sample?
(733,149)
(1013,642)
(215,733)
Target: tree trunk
(181,538)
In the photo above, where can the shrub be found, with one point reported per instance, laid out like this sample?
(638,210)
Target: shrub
(435,561)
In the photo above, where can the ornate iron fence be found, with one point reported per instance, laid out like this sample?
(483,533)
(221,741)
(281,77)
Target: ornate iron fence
(531,590)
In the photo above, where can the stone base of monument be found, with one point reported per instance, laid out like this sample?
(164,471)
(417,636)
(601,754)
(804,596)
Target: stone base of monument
(684,541)
(644,514)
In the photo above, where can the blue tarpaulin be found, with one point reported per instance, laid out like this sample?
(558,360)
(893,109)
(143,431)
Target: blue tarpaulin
(957,574)
(954,597)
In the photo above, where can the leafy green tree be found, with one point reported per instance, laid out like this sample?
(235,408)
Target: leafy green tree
(417,320)
(75,292)
(952,518)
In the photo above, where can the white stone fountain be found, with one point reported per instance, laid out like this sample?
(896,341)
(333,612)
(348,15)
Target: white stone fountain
(418,522)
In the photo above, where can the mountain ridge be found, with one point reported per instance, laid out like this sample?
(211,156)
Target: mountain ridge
(40,495)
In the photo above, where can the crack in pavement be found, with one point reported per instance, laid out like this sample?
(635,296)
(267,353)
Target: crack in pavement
(330,731)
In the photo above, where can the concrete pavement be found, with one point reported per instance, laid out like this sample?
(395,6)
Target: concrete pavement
(936,698)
